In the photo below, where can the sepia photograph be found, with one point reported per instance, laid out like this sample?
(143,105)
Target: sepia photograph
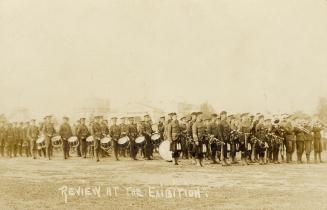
(163,104)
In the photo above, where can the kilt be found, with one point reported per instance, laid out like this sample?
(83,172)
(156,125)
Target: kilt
(199,150)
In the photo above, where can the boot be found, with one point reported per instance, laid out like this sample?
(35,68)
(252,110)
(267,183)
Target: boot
(261,161)
(176,161)
(315,157)
(201,162)
(225,163)
(234,160)
(319,155)
(197,162)
(287,158)
(308,158)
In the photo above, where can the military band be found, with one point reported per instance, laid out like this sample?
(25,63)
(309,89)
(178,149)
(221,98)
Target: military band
(220,138)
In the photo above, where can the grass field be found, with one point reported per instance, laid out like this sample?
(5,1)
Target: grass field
(156,184)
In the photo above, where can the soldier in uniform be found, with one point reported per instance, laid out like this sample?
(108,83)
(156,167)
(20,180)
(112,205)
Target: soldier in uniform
(132,135)
(10,140)
(20,139)
(199,138)
(16,139)
(82,133)
(124,132)
(269,140)
(224,131)
(26,142)
(308,141)
(115,135)
(317,146)
(78,148)
(48,131)
(65,131)
(183,137)
(289,139)
(234,138)
(300,137)
(97,135)
(245,143)
(32,134)
(277,141)
(146,131)
(2,138)
(260,132)
(212,131)
(161,128)
(189,134)
(105,132)
(173,133)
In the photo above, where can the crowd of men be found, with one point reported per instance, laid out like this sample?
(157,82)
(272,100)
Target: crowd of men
(196,136)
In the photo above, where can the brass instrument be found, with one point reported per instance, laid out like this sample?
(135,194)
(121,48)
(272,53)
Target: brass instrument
(300,127)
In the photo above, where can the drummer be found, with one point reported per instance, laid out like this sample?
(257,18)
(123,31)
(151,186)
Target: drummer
(114,132)
(65,133)
(132,134)
(124,132)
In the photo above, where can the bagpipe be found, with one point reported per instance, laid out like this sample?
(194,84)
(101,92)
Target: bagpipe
(275,139)
(213,140)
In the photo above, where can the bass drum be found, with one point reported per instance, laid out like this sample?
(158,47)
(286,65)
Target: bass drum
(164,151)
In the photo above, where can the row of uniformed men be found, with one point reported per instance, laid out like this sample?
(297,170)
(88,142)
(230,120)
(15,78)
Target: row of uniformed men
(15,138)
(255,138)
(258,139)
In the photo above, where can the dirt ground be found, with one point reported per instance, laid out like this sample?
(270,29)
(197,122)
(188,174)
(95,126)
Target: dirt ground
(156,184)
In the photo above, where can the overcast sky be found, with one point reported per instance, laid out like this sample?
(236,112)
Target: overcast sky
(239,55)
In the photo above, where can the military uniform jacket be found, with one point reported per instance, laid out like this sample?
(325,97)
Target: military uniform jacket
(316,132)
(123,130)
(10,134)
(166,129)
(161,129)
(132,131)
(189,128)
(104,129)
(212,129)
(289,132)
(96,130)
(82,131)
(21,133)
(308,136)
(260,131)
(114,132)
(224,130)
(146,129)
(49,130)
(16,133)
(65,131)
(173,130)
(33,133)
(300,135)
(198,131)
(2,134)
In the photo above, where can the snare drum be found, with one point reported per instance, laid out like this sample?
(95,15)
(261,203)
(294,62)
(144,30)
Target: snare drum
(155,139)
(73,141)
(140,141)
(56,141)
(90,140)
(123,141)
(105,143)
(40,142)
